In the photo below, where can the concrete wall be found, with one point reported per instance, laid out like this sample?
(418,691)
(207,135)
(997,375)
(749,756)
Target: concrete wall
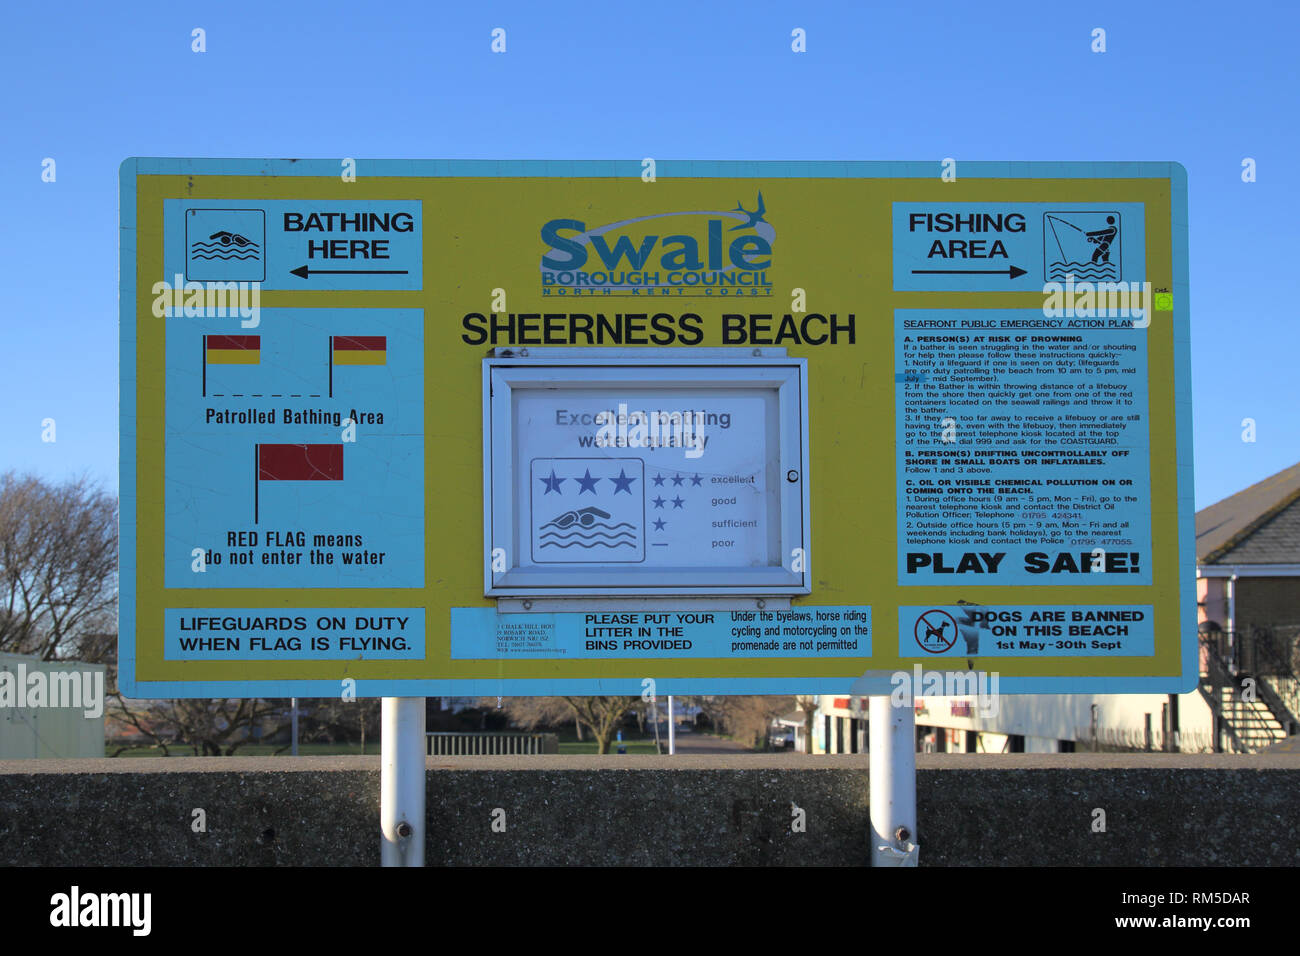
(1023,809)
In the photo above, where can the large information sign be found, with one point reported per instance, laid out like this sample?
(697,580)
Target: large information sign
(427,428)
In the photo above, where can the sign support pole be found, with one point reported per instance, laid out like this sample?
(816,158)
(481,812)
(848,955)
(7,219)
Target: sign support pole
(672,727)
(892,771)
(402,782)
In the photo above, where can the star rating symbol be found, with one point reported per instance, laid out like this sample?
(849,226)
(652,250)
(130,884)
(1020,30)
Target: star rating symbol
(552,483)
(588,483)
(696,481)
(677,479)
(678,501)
(622,482)
(659,479)
(658,502)
(659,524)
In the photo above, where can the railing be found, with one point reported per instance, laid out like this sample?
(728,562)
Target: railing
(444,744)
(1277,650)
(1131,739)
(1219,648)
(1218,672)
(1260,651)
(1250,724)
(1265,657)
(1266,654)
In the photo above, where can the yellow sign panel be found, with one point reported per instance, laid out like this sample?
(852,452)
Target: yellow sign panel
(534,428)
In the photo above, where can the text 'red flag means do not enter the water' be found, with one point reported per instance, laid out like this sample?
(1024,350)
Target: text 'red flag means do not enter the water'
(296,463)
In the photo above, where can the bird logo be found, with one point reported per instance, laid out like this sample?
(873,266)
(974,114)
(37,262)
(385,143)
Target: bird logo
(754,217)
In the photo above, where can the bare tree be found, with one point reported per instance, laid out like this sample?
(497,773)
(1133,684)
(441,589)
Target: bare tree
(717,710)
(600,715)
(808,704)
(752,716)
(745,718)
(211,728)
(221,727)
(533,712)
(58,568)
(334,720)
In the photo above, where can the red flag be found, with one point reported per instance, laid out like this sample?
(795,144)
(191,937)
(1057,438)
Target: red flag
(300,462)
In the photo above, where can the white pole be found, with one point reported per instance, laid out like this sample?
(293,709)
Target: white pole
(893,783)
(401,782)
(293,719)
(672,728)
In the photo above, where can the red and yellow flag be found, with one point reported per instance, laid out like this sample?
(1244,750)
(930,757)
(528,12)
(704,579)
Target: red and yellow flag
(232,349)
(359,349)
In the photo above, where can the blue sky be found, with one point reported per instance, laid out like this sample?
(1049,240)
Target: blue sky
(1203,84)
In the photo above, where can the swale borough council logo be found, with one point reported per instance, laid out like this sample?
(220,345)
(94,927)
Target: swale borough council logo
(686,253)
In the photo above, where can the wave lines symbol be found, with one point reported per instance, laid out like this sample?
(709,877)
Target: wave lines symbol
(570,544)
(598,536)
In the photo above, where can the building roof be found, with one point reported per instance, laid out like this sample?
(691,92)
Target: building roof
(1258,525)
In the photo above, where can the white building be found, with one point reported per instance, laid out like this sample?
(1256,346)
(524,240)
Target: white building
(1030,723)
(50,708)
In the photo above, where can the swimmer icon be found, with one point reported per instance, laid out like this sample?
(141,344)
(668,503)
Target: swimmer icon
(586,517)
(228,238)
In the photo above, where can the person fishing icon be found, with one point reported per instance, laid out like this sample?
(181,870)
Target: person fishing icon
(1103,238)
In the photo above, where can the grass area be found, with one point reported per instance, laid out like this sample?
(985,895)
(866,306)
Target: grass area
(570,744)
(259,750)
(589,746)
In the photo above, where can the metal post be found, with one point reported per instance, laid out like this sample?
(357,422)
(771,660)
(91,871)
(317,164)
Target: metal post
(293,721)
(672,730)
(401,782)
(892,732)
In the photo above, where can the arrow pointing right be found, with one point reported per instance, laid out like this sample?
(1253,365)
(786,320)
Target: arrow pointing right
(1012,272)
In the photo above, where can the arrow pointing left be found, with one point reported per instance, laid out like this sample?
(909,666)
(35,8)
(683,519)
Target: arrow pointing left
(305,271)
